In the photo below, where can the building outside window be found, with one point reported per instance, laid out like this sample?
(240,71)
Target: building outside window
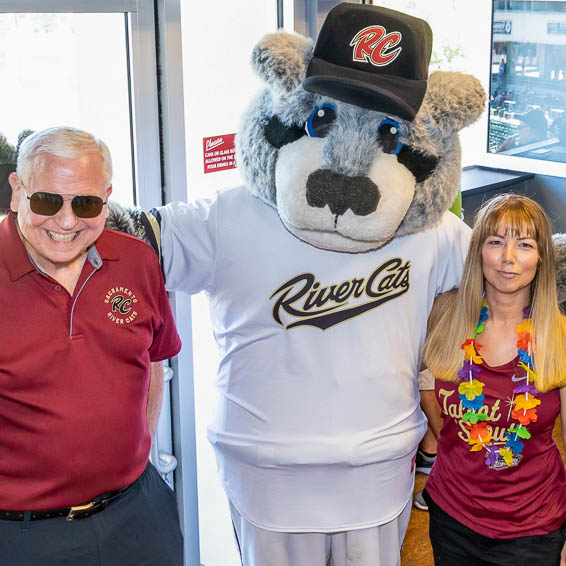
(528,79)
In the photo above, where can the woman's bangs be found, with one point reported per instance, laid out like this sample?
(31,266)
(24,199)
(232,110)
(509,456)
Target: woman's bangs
(515,222)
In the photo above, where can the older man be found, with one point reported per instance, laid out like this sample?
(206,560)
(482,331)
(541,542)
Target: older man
(85,325)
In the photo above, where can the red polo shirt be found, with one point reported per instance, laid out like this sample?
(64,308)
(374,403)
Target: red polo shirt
(74,371)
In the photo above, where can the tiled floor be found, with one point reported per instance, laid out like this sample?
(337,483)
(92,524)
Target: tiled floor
(416,549)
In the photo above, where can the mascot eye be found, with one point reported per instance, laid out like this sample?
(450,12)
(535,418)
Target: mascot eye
(389,136)
(320,121)
(279,134)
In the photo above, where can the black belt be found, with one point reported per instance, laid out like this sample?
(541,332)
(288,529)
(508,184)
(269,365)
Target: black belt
(77,512)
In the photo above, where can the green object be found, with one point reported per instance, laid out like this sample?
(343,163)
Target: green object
(474,417)
(521,432)
(456,207)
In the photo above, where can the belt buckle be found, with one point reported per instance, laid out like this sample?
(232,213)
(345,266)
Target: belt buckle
(78,509)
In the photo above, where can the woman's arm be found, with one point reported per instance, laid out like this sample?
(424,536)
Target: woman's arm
(563,415)
(563,423)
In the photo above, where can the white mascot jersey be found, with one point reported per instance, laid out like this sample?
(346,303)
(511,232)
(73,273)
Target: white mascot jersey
(319,412)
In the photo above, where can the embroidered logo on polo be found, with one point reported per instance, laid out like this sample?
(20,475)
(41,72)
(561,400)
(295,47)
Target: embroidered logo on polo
(494,415)
(311,304)
(372,45)
(121,303)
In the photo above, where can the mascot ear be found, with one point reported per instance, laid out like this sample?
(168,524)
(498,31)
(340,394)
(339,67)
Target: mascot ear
(281,60)
(453,101)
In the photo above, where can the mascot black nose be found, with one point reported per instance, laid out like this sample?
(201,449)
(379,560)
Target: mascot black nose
(341,193)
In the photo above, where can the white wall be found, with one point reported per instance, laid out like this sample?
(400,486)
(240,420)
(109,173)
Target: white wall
(218,38)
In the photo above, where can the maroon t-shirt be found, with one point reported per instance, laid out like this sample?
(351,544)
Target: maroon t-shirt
(74,371)
(499,502)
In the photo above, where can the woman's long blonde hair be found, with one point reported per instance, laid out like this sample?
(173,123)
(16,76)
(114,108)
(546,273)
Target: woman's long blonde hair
(455,318)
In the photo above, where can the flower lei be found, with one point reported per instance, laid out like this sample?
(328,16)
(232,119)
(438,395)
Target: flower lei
(524,396)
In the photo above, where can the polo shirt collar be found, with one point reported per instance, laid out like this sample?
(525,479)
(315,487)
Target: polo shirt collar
(105,247)
(19,263)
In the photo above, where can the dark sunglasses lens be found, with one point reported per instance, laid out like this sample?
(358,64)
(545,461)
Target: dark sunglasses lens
(45,204)
(87,206)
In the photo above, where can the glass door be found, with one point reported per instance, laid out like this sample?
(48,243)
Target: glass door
(219,85)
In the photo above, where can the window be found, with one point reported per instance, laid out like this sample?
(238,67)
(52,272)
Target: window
(93,65)
(528,74)
(58,72)
(309,15)
(89,65)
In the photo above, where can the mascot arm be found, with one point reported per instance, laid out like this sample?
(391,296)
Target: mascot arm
(189,241)
(185,236)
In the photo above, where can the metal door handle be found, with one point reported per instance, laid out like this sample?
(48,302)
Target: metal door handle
(167,374)
(163,461)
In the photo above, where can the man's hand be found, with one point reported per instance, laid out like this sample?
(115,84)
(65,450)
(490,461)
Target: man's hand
(155,396)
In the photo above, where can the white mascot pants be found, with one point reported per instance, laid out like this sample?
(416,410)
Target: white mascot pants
(375,546)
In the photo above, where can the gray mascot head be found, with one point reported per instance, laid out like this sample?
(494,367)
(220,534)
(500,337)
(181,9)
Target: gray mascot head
(351,141)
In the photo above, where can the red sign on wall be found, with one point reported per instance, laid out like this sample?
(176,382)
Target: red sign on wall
(219,153)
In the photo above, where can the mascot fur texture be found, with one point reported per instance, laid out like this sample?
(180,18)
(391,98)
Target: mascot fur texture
(415,187)
(321,273)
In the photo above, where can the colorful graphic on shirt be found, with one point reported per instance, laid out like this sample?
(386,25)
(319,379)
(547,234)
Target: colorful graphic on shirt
(371,44)
(121,303)
(304,298)
(493,425)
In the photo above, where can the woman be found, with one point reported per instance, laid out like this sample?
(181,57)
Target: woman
(497,491)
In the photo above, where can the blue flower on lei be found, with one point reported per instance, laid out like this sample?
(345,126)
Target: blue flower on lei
(475,404)
(514,443)
(525,358)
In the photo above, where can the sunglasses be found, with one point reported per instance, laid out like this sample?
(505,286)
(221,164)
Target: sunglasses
(49,204)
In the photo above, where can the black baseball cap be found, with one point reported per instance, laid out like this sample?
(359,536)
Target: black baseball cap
(372,57)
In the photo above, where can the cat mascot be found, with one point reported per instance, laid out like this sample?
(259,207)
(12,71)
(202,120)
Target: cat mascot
(321,272)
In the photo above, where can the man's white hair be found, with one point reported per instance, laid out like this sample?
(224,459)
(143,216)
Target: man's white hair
(61,141)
